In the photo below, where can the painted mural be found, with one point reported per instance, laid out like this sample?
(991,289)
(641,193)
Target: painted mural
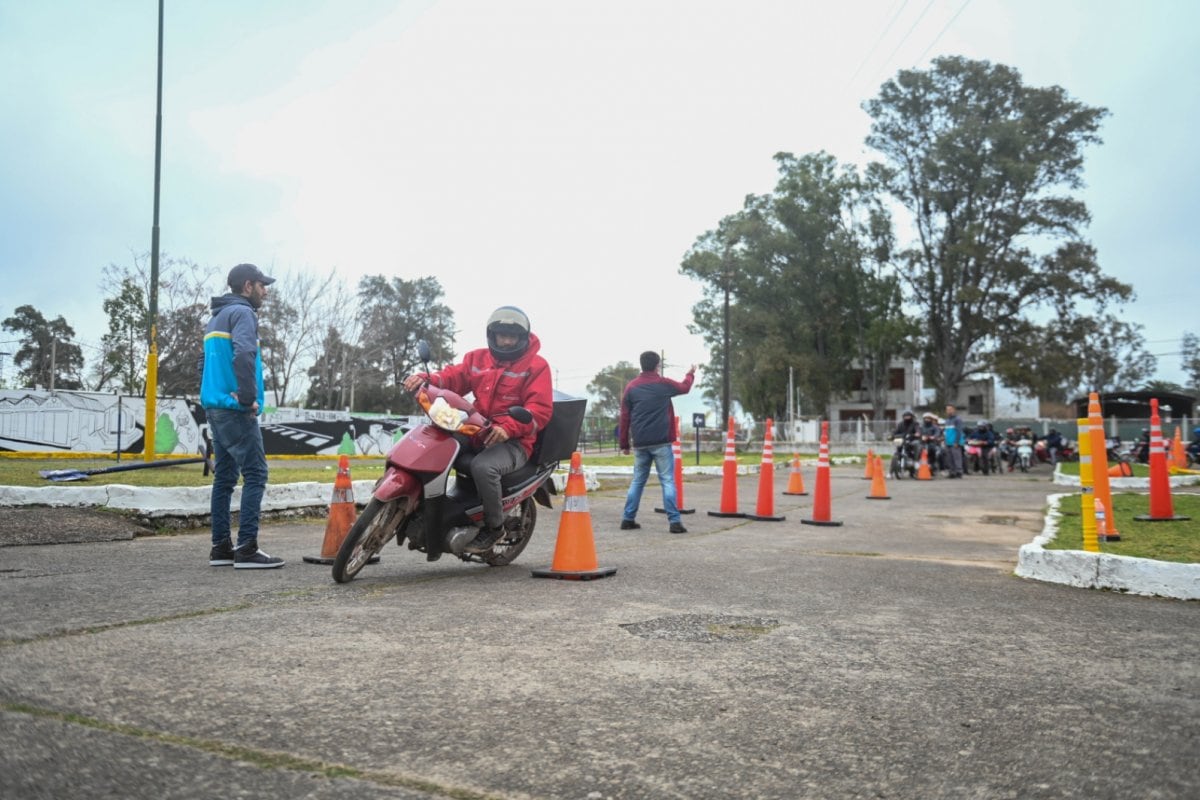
(36,421)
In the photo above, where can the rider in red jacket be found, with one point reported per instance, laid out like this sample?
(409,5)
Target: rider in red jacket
(508,372)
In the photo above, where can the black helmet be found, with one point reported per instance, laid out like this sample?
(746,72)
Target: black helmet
(512,321)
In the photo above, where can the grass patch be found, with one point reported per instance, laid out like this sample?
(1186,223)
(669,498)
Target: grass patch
(1072,468)
(1164,541)
(25,472)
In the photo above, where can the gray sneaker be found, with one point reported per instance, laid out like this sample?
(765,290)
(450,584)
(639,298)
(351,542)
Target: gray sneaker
(248,556)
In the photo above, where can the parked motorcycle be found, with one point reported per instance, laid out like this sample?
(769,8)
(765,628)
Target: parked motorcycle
(418,499)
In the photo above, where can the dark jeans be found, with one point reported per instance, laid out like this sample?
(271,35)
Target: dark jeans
(238,450)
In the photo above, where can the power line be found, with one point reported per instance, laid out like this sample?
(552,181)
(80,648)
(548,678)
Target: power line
(961,8)
(871,52)
(916,22)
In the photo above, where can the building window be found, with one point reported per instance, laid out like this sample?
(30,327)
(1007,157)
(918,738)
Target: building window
(975,404)
(896,378)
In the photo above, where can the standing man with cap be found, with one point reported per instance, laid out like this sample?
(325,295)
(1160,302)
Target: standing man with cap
(648,419)
(231,391)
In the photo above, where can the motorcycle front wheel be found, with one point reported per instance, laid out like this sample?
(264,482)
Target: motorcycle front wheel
(375,526)
(518,530)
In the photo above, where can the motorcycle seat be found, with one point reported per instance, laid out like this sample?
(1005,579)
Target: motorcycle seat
(509,482)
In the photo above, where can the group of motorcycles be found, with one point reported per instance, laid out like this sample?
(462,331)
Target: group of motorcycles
(1023,452)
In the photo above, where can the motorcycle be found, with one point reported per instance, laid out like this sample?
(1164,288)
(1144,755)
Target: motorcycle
(418,499)
(980,457)
(1024,453)
(905,457)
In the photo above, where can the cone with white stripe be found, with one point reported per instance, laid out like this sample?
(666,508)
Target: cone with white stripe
(795,478)
(575,549)
(822,512)
(342,516)
(677,454)
(728,479)
(1162,508)
(765,510)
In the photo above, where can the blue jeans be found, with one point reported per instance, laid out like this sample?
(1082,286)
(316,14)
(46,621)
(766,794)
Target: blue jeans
(664,465)
(238,450)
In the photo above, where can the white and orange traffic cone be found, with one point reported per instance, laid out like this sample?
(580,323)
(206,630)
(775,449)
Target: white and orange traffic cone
(1106,532)
(869,469)
(728,479)
(342,516)
(795,478)
(822,511)
(575,548)
(923,471)
(677,455)
(1162,507)
(765,510)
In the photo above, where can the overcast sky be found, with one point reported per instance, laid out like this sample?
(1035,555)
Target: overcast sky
(557,155)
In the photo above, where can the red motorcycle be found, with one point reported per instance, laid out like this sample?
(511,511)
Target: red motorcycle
(418,499)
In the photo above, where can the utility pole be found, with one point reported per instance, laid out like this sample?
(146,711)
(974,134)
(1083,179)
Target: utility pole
(152,351)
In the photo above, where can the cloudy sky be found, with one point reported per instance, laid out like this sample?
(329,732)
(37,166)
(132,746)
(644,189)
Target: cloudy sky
(559,155)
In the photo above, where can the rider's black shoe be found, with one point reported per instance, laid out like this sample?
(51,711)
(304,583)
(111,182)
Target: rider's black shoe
(484,541)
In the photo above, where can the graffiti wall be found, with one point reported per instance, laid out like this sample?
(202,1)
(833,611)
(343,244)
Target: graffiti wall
(37,421)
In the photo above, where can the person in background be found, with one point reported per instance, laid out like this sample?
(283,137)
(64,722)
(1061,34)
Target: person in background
(952,436)
(231,392)
(648,423)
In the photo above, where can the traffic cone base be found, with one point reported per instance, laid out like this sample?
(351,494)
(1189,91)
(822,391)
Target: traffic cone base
(823,523)
(797,494)
(575,549)
(765,517)
(1148,518)
(726,514)
(681,511)
(342,516)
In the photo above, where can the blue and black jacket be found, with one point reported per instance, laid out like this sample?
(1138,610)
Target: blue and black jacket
(231,374)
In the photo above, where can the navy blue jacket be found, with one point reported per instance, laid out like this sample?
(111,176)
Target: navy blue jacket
(647,416)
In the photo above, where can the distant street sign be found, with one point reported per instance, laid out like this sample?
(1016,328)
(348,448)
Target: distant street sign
(697,420)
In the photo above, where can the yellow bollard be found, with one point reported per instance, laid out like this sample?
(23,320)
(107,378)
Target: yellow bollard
(1106,532)
(1087,504)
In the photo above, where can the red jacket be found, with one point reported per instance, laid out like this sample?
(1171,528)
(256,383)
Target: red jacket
(499,385)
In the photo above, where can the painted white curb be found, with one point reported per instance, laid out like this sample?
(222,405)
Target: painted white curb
(1144,576)
(1125,483)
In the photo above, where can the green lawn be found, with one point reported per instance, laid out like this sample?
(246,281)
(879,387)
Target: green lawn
(1164,541)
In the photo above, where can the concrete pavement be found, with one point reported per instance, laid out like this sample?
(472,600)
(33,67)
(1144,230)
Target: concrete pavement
(895,656)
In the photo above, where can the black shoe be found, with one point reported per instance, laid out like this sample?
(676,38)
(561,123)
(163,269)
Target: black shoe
(248,556)
(221,554)
(677,527)
(629,525)
(484,541)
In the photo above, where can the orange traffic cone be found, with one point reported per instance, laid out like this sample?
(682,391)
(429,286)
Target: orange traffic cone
(878,484)
(342,516)
(1178,453)
(795,479)
(821,503)
(1121,470)
(677,455)
(869,469)
(575,549)
(1162,508)
(765,510)
(728,479)
(1106,532)
(923,471)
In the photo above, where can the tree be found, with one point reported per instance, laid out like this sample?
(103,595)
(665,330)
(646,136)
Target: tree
(184,289)
(809,290)
(48,355)
(1190,361)
(293,324)
(985,166)
(392,317)
(609,386)
(125,344)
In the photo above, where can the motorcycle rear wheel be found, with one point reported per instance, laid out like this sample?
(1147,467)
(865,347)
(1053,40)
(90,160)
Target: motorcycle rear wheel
(518,530)
(373,529)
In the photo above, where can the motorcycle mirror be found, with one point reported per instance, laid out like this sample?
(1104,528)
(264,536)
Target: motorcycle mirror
(423,351)
(520,414)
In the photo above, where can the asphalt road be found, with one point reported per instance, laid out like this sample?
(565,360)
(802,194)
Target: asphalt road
(894,656)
